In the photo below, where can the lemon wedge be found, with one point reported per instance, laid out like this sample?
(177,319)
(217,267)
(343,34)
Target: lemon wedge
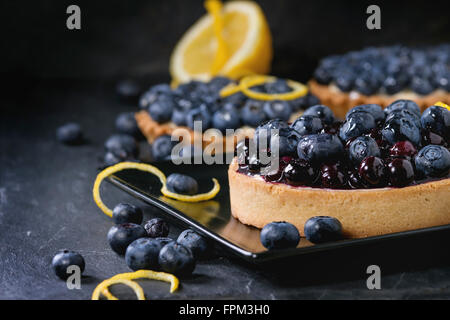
(233,40)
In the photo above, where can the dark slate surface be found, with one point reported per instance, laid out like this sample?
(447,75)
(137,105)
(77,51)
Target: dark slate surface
(46,205)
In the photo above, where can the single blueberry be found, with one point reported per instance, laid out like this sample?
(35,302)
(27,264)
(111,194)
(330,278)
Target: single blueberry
(277,86)
(226,119)
(63,260)
(181,184)
(401,129)
(152,94)
(367,85)
(279,235)
(443,80)
(162,147)
(164,240)
(123,146)
(277,109)
(433,161)
(200,116)
(126,123)
(323,75)
(70,134)
(128,90)
(437,120)
(403,104)
(287,142)
(179,116)
(157,228)
(317,148)
(363,147)
(307,125)
(252,113)
(345,81)
(421,85)
(218,83)
(405,113)
(177,259)
(161,110)
(323,229)
(356,124)
(265,131)
(198,244)
(321,111)
(120,236)
(142,254)
(127,213)
(374,109)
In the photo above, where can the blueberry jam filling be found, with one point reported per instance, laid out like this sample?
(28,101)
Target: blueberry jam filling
(197,100)
(388,70)
(358,153)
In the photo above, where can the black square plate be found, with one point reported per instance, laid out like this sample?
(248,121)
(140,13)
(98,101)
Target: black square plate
(213,218)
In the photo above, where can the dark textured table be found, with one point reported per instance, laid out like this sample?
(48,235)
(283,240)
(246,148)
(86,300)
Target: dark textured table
(46,205)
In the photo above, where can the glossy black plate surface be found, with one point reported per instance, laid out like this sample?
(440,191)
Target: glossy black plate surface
(213,218)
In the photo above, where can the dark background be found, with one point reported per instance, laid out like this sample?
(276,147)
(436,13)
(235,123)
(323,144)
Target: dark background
(52,75)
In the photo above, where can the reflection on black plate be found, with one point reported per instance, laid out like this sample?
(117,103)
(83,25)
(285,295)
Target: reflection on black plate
(213,218)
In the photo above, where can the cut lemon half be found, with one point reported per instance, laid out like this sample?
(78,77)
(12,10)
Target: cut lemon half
(243,47)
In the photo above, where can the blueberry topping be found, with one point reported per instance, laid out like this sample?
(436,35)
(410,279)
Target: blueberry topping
(127,213)
(375,111)
(332,177)
(162,148)
(126,123)
(373,172)
(299,172)
(161,109)
(409,105)
(277,109)
(152,95)
(182,184)
(63,260)
(318,148)
(143,254)
(363,147)
(177,259)
(322,112)
(266,130)
(400,172)
(120,236)
(252,113)
(198,244)
(323,229)
(279,235)
(307,125)
(403,149)
(122,145)
(437,120)
(400,129)
(287,142)
(157,228)
(356,124)
(128,90)
(200,115)
(70,134)
(226,119)
(277,86)
(433,161)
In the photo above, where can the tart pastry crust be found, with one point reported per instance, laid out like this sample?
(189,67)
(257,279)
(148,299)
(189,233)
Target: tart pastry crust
(362,212)
(341,102)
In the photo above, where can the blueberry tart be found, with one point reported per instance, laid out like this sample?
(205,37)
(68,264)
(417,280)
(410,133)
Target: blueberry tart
(383,75)
(377,172)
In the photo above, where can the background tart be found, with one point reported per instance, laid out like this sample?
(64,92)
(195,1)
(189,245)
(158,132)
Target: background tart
(362,212)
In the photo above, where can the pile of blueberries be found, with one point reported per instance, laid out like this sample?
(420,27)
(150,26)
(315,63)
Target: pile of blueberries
(372,148)
(388,70)
(147,247)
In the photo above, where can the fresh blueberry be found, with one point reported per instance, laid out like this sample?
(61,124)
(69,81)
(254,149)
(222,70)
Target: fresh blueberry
(400,172)
(356,124)
(198,244)
(252,113)
(437,120)
(443,80)
(161,110)
(237,98)
(287,142)
(70,134)
(122,146)
(143,254)
(111,159)
(179,116)
(164,240)
(120,236)
(200,115)
(363,147)
(403,104)
(401,129)
(177,259)
(126,123)
(317,148)
(375,110)
(162,147)
(218,83)
(421,85)
(266,130)
(394,84)
(323,229)
(157,228)
(226,119)
(63,260)
(403,149)
(127,213)
(372,171)
(367,85)
(128,90)
(277,86)
(182,184)
(279,235)
(433,161)
(277,109)
(152,94)
(299,172)
(307,125)
(404,113)
(322,112)
(332,177)
(323,75)
(345,81)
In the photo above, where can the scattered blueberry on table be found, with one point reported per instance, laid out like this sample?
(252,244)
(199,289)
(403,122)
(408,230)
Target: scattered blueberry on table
(127,213)
(157,228)
(70,134)
(197,243)
(64,259)
(279,235)
(323,229)
(177,259)
(143,253)
(120,236)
